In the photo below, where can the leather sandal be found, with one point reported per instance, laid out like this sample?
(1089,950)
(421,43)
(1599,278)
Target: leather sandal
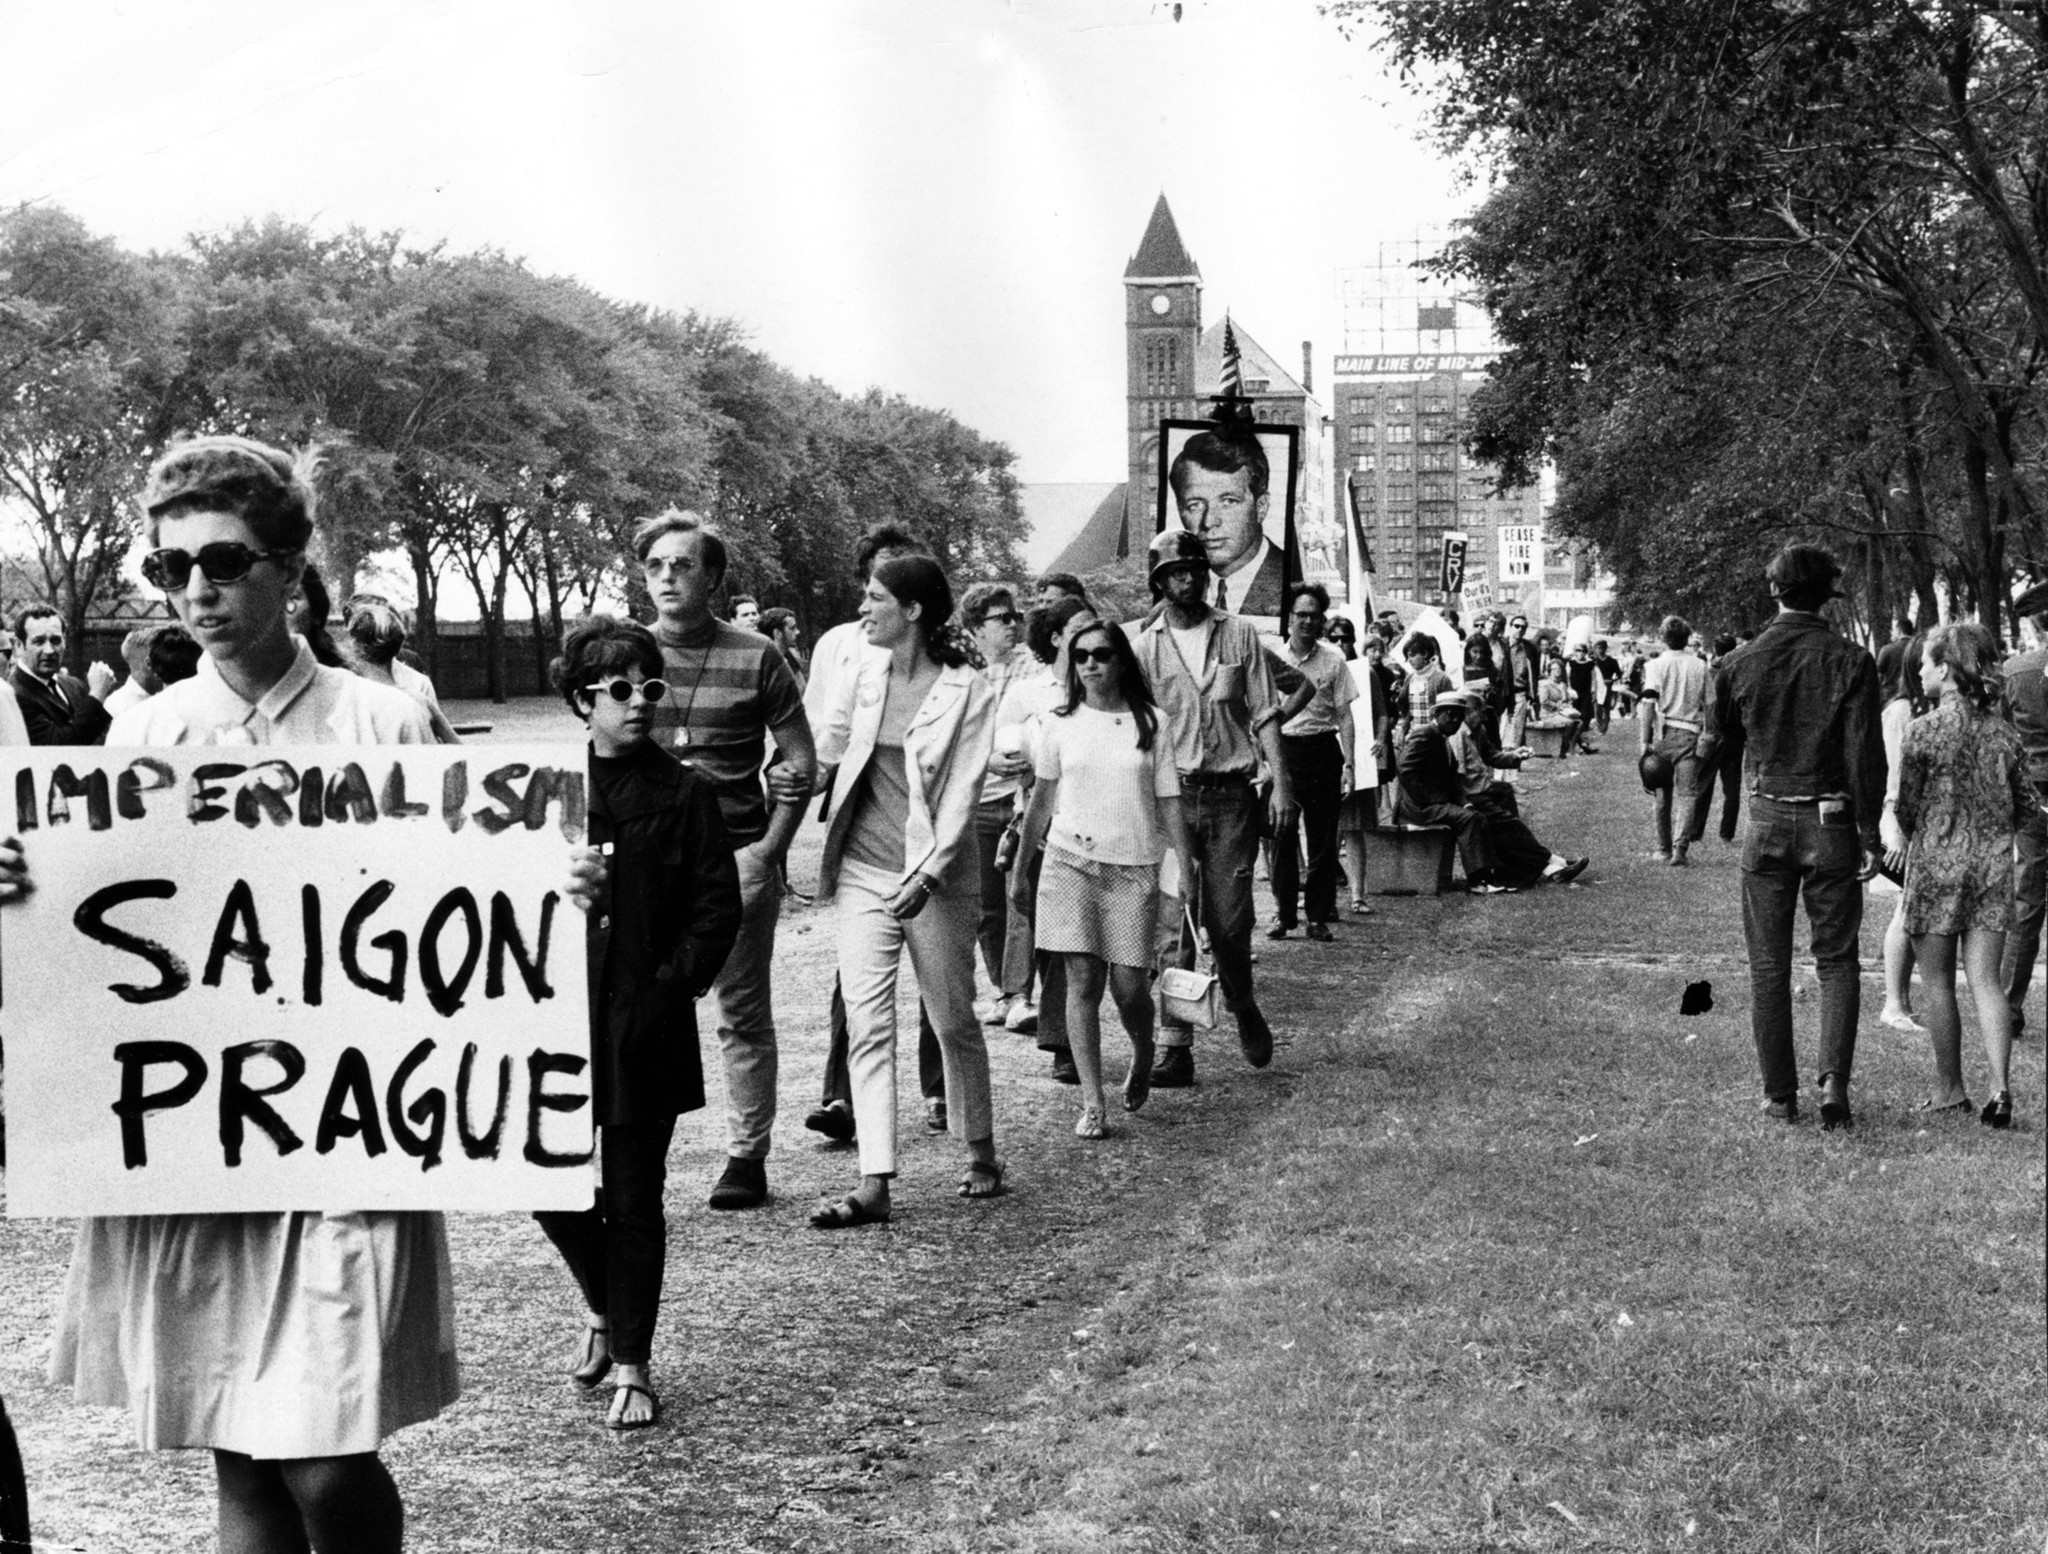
(844,1213)
(612,1422)
(981,1179)
(596,1359)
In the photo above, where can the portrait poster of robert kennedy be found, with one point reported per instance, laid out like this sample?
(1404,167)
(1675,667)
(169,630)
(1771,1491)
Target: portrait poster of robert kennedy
(1232,486)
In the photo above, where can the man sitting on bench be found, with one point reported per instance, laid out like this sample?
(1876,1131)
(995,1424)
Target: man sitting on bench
(1499,852)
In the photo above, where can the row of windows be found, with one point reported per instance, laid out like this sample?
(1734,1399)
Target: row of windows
(1364,406)
(1159,367)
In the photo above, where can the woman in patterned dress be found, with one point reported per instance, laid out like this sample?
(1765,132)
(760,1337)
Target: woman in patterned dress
(289,1344)
(1962,797)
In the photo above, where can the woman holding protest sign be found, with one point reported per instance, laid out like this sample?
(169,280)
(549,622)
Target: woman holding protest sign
(668,914)
(909,747)
(290,1344)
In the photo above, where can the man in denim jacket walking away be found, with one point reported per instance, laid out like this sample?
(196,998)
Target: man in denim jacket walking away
(1805,701)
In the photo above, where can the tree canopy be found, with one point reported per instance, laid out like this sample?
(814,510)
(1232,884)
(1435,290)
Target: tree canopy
(505,430)
(1764,269)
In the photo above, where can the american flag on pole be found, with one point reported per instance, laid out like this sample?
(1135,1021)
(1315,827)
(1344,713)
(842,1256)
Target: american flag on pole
(1233,366)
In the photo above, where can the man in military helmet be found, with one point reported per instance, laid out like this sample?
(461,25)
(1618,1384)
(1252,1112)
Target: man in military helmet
(1213,680)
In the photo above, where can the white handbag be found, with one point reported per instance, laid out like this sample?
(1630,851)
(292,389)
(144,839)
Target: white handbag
(1190,997)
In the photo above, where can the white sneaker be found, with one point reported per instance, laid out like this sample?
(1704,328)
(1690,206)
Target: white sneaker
(1022,1018)
(990,1011)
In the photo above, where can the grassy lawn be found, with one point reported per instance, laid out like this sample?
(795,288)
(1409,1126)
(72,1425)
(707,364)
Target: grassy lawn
(1499,1254)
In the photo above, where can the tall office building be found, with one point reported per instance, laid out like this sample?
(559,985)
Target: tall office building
(1414,354)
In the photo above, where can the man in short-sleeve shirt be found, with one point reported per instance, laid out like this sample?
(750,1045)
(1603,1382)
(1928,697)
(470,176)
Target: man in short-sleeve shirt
(1210,674)
(730,692)
(1315,742)
(1674,706)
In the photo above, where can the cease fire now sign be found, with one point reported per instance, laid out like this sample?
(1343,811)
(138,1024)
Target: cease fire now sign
(268,978)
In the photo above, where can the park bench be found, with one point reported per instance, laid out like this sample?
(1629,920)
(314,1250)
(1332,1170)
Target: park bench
(1546,742)
(1410,860)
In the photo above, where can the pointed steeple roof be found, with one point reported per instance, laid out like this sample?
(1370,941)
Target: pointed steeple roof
(1162,256)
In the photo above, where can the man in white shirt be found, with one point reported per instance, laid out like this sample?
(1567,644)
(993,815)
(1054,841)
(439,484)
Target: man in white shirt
(1672,710)
(1314,743)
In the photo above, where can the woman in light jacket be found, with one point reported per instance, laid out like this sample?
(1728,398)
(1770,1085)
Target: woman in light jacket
(910,746)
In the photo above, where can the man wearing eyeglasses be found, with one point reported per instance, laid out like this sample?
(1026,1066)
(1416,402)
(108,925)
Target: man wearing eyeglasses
(990,611)
(729,692)
(1524,672)
(59,708)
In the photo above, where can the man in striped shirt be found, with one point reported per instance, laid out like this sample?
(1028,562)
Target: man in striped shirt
(730,691)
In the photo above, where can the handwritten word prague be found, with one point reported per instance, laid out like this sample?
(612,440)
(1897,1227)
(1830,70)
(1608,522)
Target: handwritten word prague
(275,978)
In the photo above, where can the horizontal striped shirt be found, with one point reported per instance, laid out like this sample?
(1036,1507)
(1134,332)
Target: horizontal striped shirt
(728,689)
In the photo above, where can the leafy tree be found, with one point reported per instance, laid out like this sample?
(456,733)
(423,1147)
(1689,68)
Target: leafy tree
(1852,170)
(88,382)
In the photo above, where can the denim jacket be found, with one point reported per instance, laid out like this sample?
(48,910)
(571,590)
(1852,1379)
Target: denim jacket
(1804,703)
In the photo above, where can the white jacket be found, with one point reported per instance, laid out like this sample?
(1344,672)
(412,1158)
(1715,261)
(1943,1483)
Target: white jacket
(945,754)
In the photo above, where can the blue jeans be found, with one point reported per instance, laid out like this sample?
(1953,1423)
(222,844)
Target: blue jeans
(1693,781)
(1223,830)
(1789,851)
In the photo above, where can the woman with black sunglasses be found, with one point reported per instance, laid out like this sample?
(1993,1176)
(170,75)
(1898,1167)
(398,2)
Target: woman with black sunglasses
(290,1344)
(1106,806)
(670,914)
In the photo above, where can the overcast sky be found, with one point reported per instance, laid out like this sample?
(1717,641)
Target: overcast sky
(934,196)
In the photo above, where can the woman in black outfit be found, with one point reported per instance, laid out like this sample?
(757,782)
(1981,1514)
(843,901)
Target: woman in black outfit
(658,931)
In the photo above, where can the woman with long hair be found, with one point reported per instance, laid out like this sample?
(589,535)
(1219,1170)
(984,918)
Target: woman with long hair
(1962,798)
(1899,694)
(909,748)
(1107,805)
(290,1344)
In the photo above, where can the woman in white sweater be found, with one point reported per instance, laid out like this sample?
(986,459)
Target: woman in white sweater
(1107,805)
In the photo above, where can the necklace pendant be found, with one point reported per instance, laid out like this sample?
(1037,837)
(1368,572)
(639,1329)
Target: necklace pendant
(682,736)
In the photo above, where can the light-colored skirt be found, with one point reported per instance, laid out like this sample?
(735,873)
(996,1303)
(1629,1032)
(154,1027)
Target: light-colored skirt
(1100,909)
(273,1335)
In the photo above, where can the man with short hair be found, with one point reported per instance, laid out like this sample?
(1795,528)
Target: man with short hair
(1805,702)
(58,708)
(1672,711)
(989,611)
(1055,586)
(729,693)
(1210,675)
(1315,743)
(779,626)
(1219,480)
(142,682)
(746,614)
(1524,674)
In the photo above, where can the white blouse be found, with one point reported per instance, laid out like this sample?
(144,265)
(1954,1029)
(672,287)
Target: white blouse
(311,705)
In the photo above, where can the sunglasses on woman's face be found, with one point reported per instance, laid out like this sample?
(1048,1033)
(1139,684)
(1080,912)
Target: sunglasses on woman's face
(1101,655)
(1007,617)
(621,690)
(224,561)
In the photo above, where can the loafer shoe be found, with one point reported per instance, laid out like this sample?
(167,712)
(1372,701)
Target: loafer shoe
(1063,1069)
(1175,1069)
(1254,1036)
(834,1121)
(1022,1018)
(935,1114)
(743,1185)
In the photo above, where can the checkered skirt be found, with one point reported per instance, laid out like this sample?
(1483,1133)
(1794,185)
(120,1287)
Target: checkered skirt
(1100,909)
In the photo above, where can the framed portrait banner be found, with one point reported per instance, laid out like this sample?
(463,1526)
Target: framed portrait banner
(266,978)
(1234,487)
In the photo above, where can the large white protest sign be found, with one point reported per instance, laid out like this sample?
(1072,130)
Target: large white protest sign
(276,978)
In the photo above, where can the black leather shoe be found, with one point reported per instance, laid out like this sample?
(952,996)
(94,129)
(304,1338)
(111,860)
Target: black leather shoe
(1063,1068)
(1782,1111)
(1175,1069)
(744,1185)
(1320,932)
(1997,1111)
(1254,1036)
(834,1121)
(1279,930)
(1834,1103)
